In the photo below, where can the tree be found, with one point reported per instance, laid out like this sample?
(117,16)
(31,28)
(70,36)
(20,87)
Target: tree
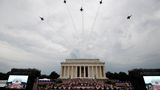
(110,75)
(116,76)
(122,76)
(3,76)
(54,75)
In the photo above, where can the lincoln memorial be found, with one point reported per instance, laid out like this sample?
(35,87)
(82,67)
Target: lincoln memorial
(82,68)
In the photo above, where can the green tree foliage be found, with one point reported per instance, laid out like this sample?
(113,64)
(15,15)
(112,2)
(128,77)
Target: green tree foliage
(3,76)
(122,76)
(54,75)
(110,75)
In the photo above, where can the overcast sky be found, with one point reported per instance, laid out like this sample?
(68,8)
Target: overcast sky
(123,44)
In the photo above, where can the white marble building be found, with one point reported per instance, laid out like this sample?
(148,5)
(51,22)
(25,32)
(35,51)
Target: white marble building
(82,68)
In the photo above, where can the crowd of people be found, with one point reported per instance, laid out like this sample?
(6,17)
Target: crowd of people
(89,84)
(43,85)
(82,84)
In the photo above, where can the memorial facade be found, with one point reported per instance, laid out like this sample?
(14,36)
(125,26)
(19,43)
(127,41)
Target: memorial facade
(82,68)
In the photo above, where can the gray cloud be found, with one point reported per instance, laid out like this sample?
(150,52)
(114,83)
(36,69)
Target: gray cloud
(26,41)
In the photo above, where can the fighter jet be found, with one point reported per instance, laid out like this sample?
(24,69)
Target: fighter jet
(129,17)
(100,2)
(41,18)
(64,1)
(81,9)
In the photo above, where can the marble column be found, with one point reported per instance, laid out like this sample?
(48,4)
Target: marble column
(75,71)
(100,69)
(100,74)
(96,72)
(103,72)
(72,72)
(68,71)
(65,71)
(88,71)
(84,71)
(62,72)
(93,72)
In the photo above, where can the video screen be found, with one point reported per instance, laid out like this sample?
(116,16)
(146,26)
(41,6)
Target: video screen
(152,82)
(17,82)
